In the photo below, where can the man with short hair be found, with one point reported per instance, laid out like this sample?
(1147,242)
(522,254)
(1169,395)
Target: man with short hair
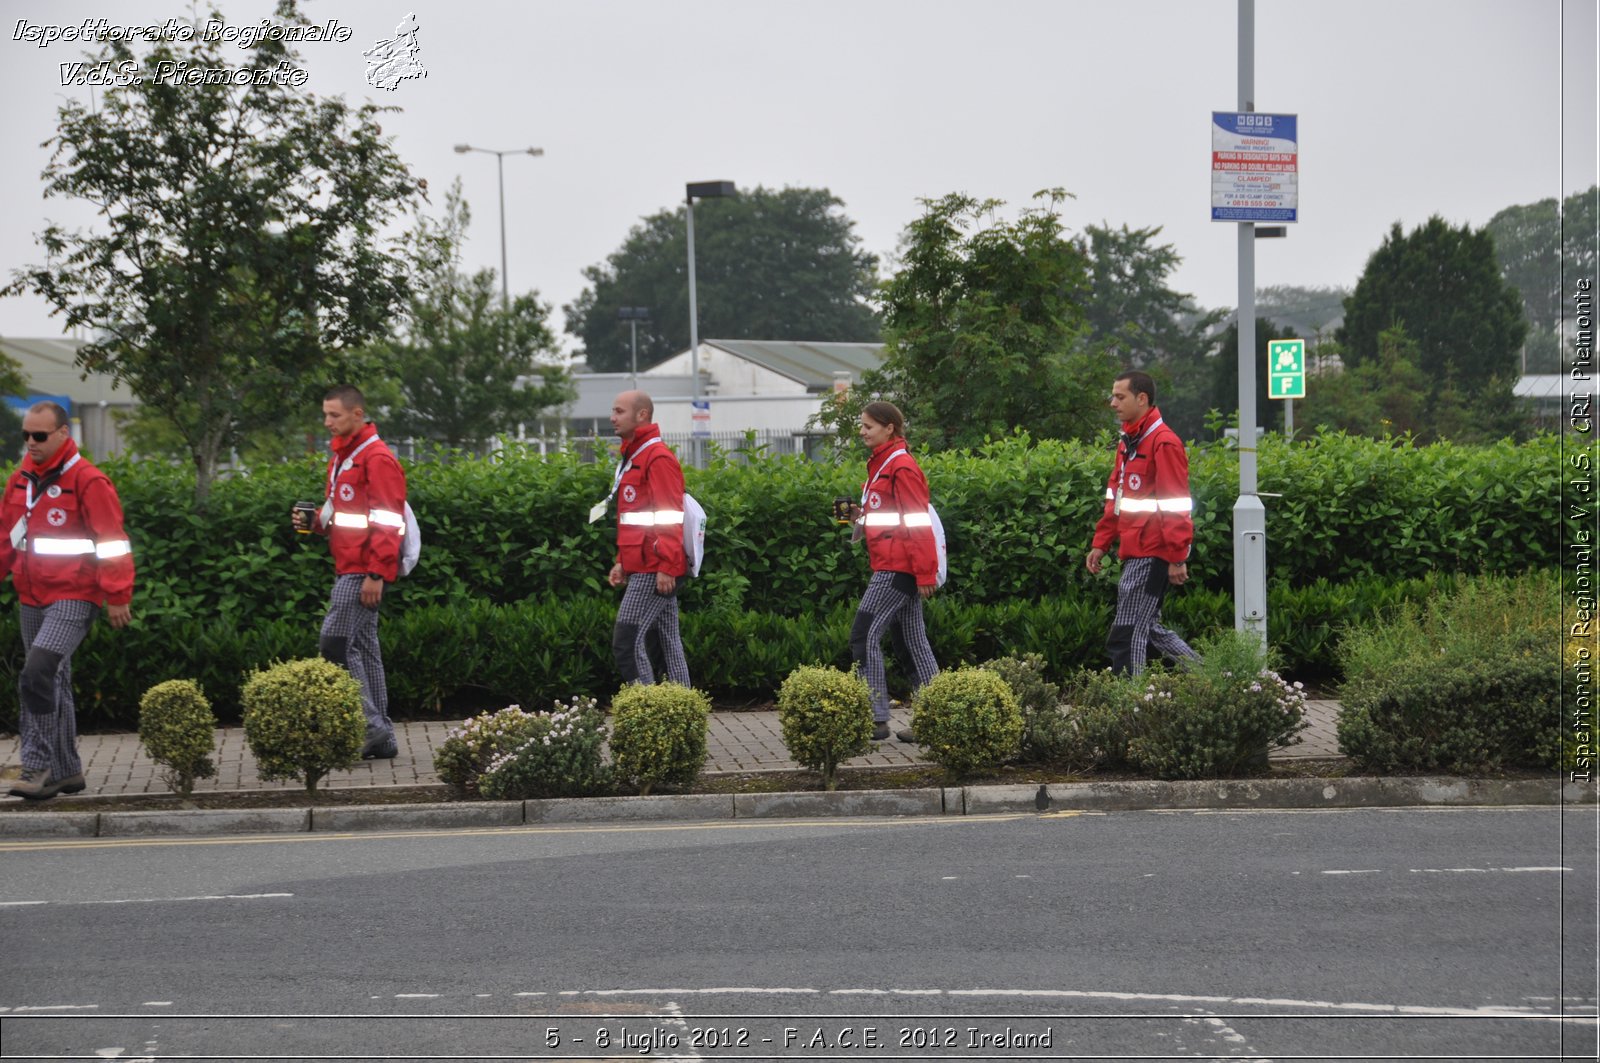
(363,516)
(1147,511)
(650,553)
(67,553)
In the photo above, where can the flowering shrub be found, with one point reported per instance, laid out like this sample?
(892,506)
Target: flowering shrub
(558,755)
(1216,716)
(464,755)
(826,716)
(658,734)
(968,719)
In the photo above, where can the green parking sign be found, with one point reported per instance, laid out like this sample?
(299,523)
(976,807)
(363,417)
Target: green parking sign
(1286,369)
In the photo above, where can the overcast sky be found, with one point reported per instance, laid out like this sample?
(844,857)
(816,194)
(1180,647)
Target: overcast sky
(1406,108)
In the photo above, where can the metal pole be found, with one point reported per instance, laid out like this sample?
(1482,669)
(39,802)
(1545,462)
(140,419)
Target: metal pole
(694,345)
(1288,419)
(1249,514)
(505,286)
(633,327)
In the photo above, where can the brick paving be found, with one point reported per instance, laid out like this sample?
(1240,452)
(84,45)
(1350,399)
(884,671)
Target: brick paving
(736,742)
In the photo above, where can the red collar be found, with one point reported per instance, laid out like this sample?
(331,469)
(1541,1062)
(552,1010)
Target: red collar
(880,455)
(641,435)
(60,457)
(1142,425)
(343,447)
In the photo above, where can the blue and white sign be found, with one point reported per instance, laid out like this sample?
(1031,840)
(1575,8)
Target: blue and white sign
(1255,167)
(700,417)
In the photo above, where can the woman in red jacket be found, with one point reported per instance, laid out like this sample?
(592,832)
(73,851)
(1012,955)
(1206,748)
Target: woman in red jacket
(893,518)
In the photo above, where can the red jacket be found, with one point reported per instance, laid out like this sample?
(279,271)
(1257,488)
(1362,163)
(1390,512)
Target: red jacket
(894,515)
(1154,517)
(650,506)
(75,548)
(363,514)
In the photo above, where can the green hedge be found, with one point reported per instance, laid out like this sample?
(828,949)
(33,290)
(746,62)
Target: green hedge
(509,600)
(456,661)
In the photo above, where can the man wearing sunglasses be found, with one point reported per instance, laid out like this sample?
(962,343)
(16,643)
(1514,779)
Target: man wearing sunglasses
(65,550)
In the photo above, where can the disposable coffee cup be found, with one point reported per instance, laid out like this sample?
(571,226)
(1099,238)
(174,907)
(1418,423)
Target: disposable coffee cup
(307,514)
(841,509)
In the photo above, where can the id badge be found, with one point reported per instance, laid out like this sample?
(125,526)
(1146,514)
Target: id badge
(19,533)
(597,511)
(1116,506)
(327,513)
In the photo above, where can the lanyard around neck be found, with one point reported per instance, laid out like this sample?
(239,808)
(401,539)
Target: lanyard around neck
(622,469)
(866,487)
(1131,451)
(48,479)
(336,471)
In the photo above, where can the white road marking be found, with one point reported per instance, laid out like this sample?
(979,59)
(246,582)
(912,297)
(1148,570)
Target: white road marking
(1270,1002)
(1481,870)
(674,1017)
(156,1004)
(48,1007)
(1363,871)
(416,996)
(161,900)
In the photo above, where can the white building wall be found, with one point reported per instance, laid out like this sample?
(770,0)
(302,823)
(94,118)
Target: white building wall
(727,374)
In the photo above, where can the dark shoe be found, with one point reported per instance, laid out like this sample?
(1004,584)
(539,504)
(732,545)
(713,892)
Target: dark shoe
(382,747)
(906,735)
(74,784)
(35,784)
(880,731)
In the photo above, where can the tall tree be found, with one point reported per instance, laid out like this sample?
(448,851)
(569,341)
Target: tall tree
(1225,374)
(985,328)
(1443,285)
(1543,248)
(469,367)
(769,264)
(237,251)
(1131,312)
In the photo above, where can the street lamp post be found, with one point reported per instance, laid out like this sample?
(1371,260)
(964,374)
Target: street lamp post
(698,190)
(633,315)
(500,162)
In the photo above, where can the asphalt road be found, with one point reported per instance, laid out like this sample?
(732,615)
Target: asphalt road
(1440,933)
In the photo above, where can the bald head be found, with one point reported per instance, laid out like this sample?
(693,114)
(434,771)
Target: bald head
(629,410)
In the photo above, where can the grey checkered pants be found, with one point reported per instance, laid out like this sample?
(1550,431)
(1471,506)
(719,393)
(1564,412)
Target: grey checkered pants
(1137,626)
(643,610)
(350,639)
(49,721)
(891,604)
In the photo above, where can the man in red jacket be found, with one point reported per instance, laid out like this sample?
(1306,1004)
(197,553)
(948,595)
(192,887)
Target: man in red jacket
(363,516)
(1147,511)
(67,554)
(650,554)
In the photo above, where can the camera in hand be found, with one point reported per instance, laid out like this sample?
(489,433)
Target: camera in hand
(305,515)
(841,510)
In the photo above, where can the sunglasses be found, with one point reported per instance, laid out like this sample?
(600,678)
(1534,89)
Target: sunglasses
(39,437)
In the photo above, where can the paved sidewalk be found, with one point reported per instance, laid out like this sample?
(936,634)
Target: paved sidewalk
(737,742)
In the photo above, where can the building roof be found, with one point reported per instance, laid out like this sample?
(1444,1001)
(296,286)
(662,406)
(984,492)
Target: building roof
(1547,386)
(812,364)
(50,367)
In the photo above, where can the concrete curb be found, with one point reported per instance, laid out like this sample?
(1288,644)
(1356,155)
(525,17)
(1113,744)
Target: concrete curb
(921,802)
(1123,796)
(207,821)
(1272,793)
(418,817)
(630,809)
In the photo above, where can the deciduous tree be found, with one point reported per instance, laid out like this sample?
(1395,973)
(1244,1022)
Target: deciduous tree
(236,252)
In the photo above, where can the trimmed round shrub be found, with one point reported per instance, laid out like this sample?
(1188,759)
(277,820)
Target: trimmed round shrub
(178,730)
(466,752)
(558,756)
(826,717)
(658,734)
(968,720)
(303,719)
